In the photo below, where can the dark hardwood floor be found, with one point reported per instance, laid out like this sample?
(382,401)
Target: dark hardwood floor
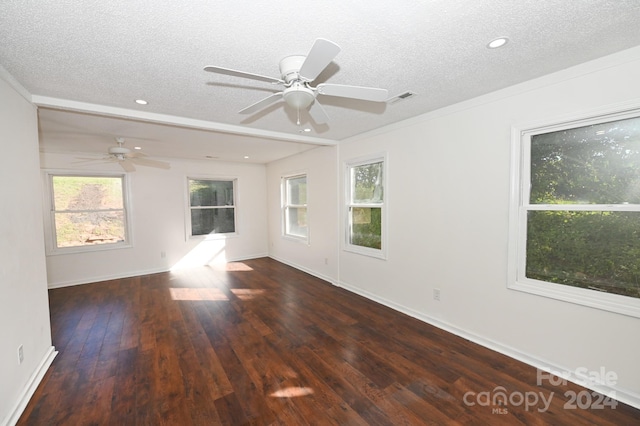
(258,342)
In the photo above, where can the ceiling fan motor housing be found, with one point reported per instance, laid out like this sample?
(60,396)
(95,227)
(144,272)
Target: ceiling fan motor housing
(118,150)
(290,67)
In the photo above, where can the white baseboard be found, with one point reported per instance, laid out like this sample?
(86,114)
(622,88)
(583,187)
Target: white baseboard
(31,387)
(249,257)
(304,269)
(622,395)
(96,279)
(89,280)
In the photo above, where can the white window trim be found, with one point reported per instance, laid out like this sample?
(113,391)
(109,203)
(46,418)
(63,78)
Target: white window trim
(355,162)
(284,205)
(51,248)
(519,196)
(187,208)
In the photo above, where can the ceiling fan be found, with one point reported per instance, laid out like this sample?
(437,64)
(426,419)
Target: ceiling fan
(296,74)
(127,159)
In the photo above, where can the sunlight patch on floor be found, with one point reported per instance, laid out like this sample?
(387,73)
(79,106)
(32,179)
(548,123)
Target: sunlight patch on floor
(213,294)
(292,392)
(231,267)
(247,293)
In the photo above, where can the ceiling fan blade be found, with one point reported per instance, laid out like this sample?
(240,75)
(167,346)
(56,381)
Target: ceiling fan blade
(150,163)
(242,74)
(127,166)
(317,112)
(88,160)
(321,54)
(354,92)
(261,104)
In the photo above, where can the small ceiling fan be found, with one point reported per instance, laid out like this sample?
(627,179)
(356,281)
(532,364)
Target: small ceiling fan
(127,159)
(296,74)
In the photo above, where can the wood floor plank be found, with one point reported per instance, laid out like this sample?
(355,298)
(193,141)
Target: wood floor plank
(260,343)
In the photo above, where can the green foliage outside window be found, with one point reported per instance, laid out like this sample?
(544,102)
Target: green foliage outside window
(598,249)
(366,194)
(212,206)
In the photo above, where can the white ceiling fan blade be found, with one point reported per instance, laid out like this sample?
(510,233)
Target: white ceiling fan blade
(127,165)
(150,163)
(321,54)
(317,112)
(89,160)
(242,74)
(354,92)
(261,104)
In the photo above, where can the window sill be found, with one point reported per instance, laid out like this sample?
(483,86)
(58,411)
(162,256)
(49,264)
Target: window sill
(605,301)
(213,237)
(365,251)
(87,249)
(301,240)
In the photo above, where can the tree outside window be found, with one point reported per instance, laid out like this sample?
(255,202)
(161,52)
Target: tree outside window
(365,206)
(579,213)
(212,206)
(295,206)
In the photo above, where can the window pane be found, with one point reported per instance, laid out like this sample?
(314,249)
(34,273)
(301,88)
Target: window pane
(594,250)
(81,229)
(366,227)
(297,190)
(297,221)
(597,164)
(212,221)
(87,193)
(210,193)
(367,183)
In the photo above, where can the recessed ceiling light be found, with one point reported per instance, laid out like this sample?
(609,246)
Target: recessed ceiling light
(246,156)
(498,42)
(305,130)
(141,102)
(137,147)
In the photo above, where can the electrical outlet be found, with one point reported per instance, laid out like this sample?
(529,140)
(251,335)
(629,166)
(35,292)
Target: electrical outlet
(163,254)
(436,294)
(20,354)
(326,260)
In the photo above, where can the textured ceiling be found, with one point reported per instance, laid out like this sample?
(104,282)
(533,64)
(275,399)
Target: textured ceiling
(98,57)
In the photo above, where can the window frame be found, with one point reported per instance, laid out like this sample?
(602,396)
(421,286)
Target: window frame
(188,208)
(520,206)
(285,206)
(51,244)
(349,204)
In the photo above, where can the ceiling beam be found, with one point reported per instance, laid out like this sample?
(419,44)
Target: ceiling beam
(69,105)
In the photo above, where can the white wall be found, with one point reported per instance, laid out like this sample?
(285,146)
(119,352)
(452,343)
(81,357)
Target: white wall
(24,307)
(320,255)
(158,199)
(448,209)
(448,199)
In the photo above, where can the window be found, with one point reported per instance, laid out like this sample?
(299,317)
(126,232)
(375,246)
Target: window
(294,201)
(212,206)
(365,207)
(577,219)
(87,212)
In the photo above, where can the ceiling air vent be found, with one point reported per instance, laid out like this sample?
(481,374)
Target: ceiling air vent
(400,97)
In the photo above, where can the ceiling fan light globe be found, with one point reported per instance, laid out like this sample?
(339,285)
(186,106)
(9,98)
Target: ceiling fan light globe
(298,96)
